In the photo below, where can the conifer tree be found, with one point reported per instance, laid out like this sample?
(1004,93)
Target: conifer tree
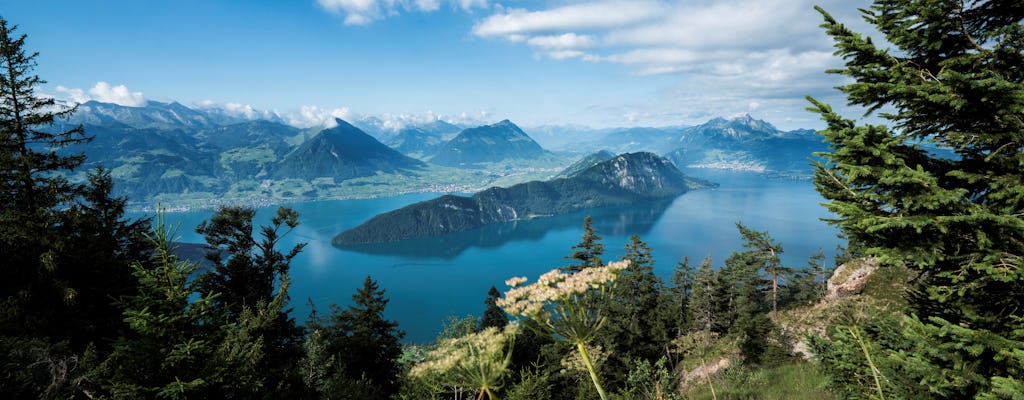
(636,325)
(494,316)
(180,347)
(637,304)
(587,253)
(764,254)
(245,281)
(33,193)
(680,294)
(101,246)
(703,308)
(365,347)
(951,82)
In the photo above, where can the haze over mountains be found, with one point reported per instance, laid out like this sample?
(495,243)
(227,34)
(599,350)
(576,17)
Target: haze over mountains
(170,152)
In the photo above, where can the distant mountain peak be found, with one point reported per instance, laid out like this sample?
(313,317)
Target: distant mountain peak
(488,143)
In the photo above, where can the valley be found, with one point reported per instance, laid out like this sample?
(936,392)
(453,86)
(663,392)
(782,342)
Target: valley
(183,158)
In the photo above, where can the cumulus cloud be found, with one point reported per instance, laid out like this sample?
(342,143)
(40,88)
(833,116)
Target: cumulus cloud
(308,116)
(104,92)
(365,12)
(725,54)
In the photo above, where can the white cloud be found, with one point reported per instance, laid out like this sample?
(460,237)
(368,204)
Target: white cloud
(104,92)
(428,5)
(365,12)
(602,15)
(75,95)
(564,41)
(726,56)
(308,116)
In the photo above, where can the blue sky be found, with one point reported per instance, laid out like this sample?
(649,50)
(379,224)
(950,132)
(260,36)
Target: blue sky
(597,63)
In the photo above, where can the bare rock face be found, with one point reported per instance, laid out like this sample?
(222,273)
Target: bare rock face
(850,278)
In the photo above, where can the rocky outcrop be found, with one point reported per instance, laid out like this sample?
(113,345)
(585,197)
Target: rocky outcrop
(850,278)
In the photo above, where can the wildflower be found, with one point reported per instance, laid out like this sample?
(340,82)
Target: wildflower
(478,360)
(567,305)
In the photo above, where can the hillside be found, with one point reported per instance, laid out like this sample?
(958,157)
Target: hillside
(343,152)
(423,140)
(746,143)
(586,162)
(487,144)
(627,178)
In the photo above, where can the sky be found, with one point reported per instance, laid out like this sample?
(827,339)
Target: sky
(592,63)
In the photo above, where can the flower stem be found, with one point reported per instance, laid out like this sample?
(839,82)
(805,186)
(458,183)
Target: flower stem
(590,368)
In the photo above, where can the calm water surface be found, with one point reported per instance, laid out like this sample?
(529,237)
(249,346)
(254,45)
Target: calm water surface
(428,280)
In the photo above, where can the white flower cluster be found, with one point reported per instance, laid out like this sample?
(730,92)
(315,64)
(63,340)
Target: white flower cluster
(468,355)
(554,286)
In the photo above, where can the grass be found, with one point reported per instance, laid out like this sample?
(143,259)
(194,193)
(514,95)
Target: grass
(797,381)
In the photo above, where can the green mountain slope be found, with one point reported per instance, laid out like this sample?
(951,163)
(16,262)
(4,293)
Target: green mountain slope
(343,152)
(623,179)
(487,144)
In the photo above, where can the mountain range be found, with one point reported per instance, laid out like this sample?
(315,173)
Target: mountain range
(624,179)
(168,151)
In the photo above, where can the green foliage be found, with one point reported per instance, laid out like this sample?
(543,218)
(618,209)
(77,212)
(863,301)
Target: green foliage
(679,297)
(705,306)
(533,384)
(649,381)
(796,381)
(587,253)
(952,81)
(637,324)
(493,315)
(365,346)
(33,196)
(246,280)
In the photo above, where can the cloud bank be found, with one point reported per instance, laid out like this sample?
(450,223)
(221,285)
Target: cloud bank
(104,92)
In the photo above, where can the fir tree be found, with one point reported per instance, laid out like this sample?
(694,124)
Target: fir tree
(587,253)
(365,347)
(33,194)
(764,253)
(680,294)
(101,246)
(246,280)
(636,325)
(494,316)
(703,308)
(179,347)
(953,81)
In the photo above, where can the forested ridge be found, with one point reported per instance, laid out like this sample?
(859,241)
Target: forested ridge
(95,305)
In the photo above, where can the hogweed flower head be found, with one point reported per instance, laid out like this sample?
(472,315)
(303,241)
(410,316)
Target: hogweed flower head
(515,281)
(567,305)
(479,360)
(559,297)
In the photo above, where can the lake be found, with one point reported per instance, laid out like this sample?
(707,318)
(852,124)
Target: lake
(428,280)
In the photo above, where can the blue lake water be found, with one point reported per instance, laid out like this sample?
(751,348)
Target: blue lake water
(428,280)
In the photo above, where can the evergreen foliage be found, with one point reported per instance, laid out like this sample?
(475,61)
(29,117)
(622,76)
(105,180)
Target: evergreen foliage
(679,297)
(246,279)
(179,348)
(953,81)
(494,316)
(704,308)
(364,346)
(587,253)
(636,328)
(33,195)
